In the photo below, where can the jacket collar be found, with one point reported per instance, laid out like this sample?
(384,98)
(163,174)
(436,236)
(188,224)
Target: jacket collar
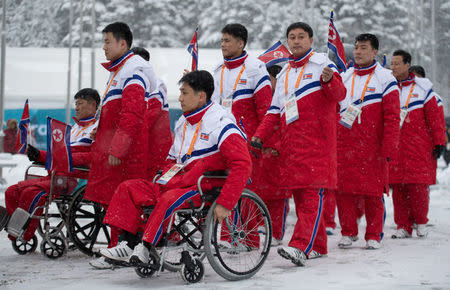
(232,63)
(408,81)
(195,116)
(365,70)
(84,122)
(115,65)
(298,62)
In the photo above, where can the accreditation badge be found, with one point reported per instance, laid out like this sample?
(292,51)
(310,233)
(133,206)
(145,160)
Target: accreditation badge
(403,115)
(228,101)
(291,109)
(170,173)
(349,116)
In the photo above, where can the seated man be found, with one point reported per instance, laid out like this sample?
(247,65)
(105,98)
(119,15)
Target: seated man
(29,194)
(206,139)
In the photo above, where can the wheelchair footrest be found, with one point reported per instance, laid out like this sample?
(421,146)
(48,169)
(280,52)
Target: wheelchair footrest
(18,222)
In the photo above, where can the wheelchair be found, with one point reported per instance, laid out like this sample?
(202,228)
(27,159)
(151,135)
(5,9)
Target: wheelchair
(236,248)
(67,221)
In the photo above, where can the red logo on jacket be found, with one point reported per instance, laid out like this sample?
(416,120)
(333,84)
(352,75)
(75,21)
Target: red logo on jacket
(204,136)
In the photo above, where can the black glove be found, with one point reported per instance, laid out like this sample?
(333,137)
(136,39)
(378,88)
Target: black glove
(438,150)
(256,145)
(32,153)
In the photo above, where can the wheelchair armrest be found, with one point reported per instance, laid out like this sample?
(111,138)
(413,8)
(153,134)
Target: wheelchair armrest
(81,168)
(216,174)
(38,164)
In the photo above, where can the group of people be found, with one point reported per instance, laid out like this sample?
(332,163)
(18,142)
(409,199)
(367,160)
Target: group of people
(305,131)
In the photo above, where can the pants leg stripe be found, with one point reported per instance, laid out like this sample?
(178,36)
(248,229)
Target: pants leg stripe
(384,218)
(36,200)
(285,212)
(316,223)
(171,209)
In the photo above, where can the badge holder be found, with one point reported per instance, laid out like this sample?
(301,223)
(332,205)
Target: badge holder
(291,109)
(349,116)
(403,114)
(170,173)
(228,102)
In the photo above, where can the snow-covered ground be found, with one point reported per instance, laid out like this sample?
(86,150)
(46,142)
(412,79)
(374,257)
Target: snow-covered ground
(400,264)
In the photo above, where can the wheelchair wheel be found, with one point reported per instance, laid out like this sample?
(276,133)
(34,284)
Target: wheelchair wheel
(147,270)
(25,247)
(235,248)
(85,224)
(54,248)
(193,273)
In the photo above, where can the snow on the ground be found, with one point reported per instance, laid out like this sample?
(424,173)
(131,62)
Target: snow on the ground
(400,264)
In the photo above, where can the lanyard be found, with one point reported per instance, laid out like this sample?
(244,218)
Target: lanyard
(84,128)
(235,83)
(111,80)
(297,83)
(194,138)
(298,79)
(365,86)
(409,95)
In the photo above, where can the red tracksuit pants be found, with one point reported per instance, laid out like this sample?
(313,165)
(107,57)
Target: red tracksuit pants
(309,231)
(125,208)
(278,210)
(329,208)
(27,195)
(411,202)
(347,204)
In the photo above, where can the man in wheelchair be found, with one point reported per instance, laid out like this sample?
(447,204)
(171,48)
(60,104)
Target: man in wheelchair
(206,139)
(28,196)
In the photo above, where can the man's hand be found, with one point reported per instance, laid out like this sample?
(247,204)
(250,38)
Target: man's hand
(93,134)
(221,212)
(327,74)
(256,142)
(32,153)
(272,151)
(113,160)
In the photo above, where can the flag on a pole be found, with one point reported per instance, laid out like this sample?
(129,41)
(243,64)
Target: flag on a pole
(193,50)
(335,44)
(22,136)
(275,54)
(384,61)
(59,156)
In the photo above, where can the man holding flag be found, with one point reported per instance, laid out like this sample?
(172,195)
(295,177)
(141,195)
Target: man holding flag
(30,194)
(304,108)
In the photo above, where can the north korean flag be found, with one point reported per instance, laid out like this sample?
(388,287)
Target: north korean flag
(275,54)
(59,156)
(335,44)
(21,140)
(193,50)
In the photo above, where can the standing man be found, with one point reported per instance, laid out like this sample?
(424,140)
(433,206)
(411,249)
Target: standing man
(422,140)
(156,123)
(118,152)
(367,140)
(242,87)
(304,105)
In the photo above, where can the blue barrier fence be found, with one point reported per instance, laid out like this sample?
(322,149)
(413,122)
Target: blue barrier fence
(38,120)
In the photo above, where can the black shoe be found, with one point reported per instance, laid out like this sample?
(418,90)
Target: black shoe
(4,218)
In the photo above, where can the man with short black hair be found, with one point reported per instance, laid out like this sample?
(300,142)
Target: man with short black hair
(118,153)
(206,139)
(30,194)
(367,140)
(304,109)
(422,140)
(242,87)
